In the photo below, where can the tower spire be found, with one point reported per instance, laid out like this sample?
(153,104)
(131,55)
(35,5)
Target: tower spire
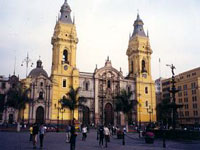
(14,66)
(138,27)
(65,13)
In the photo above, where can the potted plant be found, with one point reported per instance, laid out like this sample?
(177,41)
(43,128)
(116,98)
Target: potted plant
(149,137)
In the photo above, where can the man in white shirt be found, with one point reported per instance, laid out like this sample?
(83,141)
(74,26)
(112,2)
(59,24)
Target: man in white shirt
(107,135)
(84,133)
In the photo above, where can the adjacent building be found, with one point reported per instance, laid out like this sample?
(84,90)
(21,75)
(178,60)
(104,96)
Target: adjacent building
(7,114)
(188,96)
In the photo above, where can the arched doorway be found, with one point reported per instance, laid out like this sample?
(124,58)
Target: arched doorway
(40,115)
(86,115)
(109,114)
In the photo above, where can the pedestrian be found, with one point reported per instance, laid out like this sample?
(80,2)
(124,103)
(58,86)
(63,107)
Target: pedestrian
(31,132)
(84,133)
(35,133)
(98,133)
(73,138)
(101,136)
(112,130)
(68,134)
(107,135)
(41,131)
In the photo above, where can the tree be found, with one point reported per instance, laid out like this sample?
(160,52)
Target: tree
(124,103)
(164,111)
(17,98)
(72,100)
(2,102)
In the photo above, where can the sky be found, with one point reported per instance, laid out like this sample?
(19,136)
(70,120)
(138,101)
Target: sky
(103,28)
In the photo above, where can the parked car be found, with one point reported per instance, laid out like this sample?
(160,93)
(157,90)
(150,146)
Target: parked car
(51,128)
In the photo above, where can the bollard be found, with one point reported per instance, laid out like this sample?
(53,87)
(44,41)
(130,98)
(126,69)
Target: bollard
(164,144)
(123,139)
(139,134)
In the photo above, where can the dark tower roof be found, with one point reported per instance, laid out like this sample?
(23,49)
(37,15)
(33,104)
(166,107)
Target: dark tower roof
(65,13)
(138,27)
(38,71)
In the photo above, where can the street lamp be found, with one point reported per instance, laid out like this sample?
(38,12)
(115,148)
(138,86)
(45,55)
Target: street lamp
(27,60)
(58,110)
(150,111)
(62,110)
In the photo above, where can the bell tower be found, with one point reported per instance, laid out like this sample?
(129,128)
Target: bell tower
(139,66)
(64,73)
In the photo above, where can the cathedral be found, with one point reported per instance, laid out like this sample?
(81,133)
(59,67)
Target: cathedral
(99,87)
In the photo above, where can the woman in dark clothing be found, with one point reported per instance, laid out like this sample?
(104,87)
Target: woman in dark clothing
(35,133)
(73,138)
(101,136)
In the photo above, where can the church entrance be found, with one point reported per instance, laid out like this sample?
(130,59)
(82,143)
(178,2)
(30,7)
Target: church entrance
(40,115)
(86,115)
(109,114)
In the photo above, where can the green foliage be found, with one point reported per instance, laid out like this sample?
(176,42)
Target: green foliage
(124,103)
(17,98)
(2,102)
(164,110)
(72,100)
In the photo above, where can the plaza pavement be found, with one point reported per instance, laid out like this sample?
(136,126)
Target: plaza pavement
(56,141)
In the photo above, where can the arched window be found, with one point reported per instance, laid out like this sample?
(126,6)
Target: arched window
(143,66)
(146,103)
(109,84)
(86,86)
(41,95)
(146,90)
(129,89)
(64,83)
(65,57)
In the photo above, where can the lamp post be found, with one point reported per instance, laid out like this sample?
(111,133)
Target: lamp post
(27,60)
(150,111)
(62,110)
(58,110)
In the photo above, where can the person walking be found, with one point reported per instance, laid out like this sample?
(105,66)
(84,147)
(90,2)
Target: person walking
(31,133)
(101,136)
(73,138)
(68,134)
(84,133)
(35,133)
(107,135)
(41,131)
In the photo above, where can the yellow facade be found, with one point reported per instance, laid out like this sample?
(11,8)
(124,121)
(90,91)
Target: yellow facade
(139,60)
(63,72)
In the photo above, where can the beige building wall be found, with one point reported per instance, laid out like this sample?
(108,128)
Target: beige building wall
(189,96)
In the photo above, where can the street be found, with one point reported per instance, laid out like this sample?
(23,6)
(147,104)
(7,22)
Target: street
(56,141)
